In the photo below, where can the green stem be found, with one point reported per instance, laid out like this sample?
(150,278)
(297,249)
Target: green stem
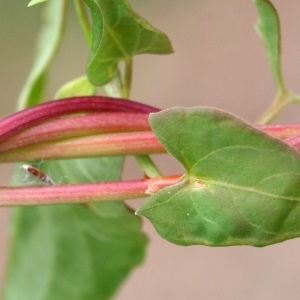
(121,88)
(148,166)
(115,87)
(296,99)
(145,162)
(282,100)
(84,21)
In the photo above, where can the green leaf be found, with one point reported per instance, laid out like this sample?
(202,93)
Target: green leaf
(118,34)
(74,251)
(77,87)
(34,2)
(48,42)
(241,185)
(268,27)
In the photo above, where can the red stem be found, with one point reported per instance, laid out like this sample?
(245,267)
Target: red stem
(115,144)
(280,131)
(83,193)
(294,141)
(24,134)
(78,126)
(67,137)
(53,109)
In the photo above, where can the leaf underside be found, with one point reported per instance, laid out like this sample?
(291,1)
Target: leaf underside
(241,186)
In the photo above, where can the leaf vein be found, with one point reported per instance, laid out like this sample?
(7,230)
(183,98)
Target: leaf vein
(251,190)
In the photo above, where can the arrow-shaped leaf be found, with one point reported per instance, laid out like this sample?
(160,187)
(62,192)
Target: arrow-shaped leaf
(241,185)
(118,34)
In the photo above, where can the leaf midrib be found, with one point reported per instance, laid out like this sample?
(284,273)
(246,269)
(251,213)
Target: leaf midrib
(248,189)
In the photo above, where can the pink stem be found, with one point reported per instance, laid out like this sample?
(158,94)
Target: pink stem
(30,144)
(53,109)
(294,141)
(280,131)
(83,193)
(115,144)
(77,126)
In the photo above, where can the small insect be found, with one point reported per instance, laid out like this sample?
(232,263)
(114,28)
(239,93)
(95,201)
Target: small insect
(39,174)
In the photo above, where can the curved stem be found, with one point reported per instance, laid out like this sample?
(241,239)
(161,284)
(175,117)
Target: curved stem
(53,109)
(282,100)
(84,21)
(78,126)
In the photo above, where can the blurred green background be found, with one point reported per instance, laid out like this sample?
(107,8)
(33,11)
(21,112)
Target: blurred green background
(219,61)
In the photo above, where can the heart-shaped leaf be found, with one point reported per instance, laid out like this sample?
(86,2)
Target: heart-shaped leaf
(118,34)
(241,185)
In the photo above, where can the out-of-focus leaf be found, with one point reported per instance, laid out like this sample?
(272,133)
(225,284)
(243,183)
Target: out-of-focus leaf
(34,2)
(74,251)
(77,87)
(48,42)
(268,27)
(241,186)
(118,34)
